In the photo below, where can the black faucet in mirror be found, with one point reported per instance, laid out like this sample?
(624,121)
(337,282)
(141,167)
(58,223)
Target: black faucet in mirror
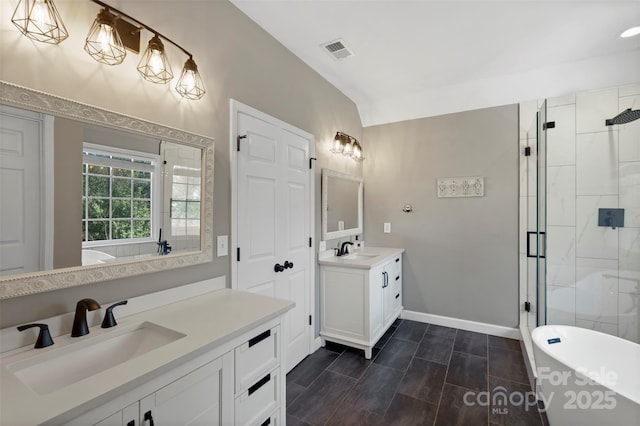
(163,245)
(80,327)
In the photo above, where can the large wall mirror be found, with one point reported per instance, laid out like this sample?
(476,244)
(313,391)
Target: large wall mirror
(342,204)
(89,195)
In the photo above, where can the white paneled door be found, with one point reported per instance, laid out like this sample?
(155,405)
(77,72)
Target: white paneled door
(273,218)
(20,206)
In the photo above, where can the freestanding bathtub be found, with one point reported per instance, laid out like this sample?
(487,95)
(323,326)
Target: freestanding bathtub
(586,377)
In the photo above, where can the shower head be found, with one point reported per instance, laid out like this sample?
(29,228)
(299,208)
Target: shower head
(626,116)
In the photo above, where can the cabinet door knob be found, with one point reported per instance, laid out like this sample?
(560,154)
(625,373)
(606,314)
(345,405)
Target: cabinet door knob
(288,264)
(278,267)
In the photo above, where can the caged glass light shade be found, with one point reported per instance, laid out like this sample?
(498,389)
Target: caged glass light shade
(190,84)
(348,147)
(154,65)
(39,20)
(338,144)
(357,154)
(103,42)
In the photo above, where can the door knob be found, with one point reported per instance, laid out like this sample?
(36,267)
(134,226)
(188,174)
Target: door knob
(288,264)
(278,267)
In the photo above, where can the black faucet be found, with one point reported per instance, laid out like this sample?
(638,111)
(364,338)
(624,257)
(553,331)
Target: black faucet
(80,327)
(109,320)
(344,250)
(44,337)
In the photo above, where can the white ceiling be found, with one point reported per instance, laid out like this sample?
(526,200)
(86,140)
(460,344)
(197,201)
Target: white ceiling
(423,58)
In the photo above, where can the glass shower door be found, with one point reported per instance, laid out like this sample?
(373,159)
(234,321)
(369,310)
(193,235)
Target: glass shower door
(535,217)
(541,216)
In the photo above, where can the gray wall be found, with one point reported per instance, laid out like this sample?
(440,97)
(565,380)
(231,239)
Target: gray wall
(461,256)
(236,58)
(67,206)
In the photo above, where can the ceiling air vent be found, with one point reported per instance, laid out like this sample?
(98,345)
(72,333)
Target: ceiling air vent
(337,49)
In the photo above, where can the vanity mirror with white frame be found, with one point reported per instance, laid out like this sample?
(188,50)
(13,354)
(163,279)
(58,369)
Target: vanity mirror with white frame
(98,143)
(342,204)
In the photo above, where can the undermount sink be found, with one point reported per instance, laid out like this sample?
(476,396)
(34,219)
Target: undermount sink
(359,256)
(58,368)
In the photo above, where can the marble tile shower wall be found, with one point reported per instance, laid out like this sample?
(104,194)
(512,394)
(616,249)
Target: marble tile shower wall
(593,272)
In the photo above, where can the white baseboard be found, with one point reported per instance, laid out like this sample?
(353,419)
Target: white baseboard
(317,344)
(480,327)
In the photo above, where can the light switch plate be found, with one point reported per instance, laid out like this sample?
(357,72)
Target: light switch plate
(387,227)
(223,245)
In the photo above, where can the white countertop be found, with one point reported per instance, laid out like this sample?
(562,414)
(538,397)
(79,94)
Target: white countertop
(207,321)
(380,255)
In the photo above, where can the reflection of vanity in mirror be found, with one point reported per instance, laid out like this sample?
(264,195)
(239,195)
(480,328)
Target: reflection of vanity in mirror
(342,204)
(88,195)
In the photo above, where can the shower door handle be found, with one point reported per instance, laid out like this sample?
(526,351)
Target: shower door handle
(538,245)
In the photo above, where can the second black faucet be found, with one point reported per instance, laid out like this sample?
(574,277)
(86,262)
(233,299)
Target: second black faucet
(80,327)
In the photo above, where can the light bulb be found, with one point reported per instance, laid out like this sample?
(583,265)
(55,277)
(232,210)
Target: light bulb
(39,14)
(190,84)
(105,37)
(40,21)
(155,62)
(337,146)
(348,148)
(154,66)
(103,42)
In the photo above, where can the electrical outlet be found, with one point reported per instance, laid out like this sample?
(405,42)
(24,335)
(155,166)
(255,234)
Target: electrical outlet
(222,245)
(387,227)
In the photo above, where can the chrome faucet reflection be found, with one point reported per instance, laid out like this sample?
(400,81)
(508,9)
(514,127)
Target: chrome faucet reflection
(80,327)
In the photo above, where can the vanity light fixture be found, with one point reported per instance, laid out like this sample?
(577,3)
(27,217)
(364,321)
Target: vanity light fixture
(338,143)
(39,20)
(347,146)
(111,33)
(190,84)
(103,41)
(154,65)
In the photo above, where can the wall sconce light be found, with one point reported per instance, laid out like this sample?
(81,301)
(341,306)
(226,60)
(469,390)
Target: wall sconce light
(153,65)
(347,146)
(110,36)
(39,20)
(103,41)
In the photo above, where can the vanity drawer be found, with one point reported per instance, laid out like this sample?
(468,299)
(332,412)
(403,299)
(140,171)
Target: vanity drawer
(256,357)
(396,270)
(272,420)
(253,406)
(397,299)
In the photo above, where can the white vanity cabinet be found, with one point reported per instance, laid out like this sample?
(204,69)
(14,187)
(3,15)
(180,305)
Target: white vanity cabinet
(196,398)
(221,363)
(243,386)
(360,300)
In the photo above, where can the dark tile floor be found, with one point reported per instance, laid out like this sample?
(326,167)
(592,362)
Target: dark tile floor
(420,374)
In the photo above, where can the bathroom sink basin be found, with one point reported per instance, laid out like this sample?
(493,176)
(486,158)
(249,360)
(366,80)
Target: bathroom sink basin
(58,368)
(360,256)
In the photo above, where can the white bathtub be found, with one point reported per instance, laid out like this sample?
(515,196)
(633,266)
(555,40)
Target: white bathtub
(586,377)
